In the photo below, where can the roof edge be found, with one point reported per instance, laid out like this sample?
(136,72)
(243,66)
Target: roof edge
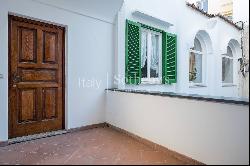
(191,5)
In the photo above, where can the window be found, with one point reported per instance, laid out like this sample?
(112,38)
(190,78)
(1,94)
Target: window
(227,67)
(151,43)
(196,61)
(151,55)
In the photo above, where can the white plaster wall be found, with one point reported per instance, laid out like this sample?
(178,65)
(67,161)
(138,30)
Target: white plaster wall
(187,22)
(89,56)
(103,10)
(212,133)
(244,84)
(225,34)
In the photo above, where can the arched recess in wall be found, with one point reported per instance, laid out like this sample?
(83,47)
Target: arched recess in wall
(205,40)
(232,52)
(236,48)
(202,48)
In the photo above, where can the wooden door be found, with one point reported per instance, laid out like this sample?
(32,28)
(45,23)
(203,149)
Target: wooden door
(36,77)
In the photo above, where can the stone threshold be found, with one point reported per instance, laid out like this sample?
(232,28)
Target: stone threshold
(3,144)
(225,100)
(48,134)
(36,136)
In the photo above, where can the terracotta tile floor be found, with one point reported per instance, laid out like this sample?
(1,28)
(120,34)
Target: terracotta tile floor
(96,146)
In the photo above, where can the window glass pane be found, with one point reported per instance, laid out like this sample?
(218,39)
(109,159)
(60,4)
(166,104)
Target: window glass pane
(195,68)
(197,45)
(192,73)
(227,70)
(144,55)
(154,65)
(229,52)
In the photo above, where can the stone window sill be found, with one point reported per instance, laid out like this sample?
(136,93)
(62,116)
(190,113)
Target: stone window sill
(226,100)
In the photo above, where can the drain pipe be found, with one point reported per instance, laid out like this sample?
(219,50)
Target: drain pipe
(242,60)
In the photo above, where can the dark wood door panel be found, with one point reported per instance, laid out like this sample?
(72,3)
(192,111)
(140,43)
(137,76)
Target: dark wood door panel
(38,66)
(27,106)
(36,77)
(27,43)
(37,85)
(50,47)
(36,128)
(50,103)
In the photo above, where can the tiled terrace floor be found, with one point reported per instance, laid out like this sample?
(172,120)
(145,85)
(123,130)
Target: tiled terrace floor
(95,146)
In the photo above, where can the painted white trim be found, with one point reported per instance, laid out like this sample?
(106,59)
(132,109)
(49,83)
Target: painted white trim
(196,52)
(151,81)
(197,85)
(228,85)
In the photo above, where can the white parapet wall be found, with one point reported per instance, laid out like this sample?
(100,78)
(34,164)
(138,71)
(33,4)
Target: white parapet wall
(210,132)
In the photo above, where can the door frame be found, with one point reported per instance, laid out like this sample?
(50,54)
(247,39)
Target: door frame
(29,19)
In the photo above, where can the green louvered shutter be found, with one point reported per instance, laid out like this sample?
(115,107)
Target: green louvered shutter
(133,53)
(169,74)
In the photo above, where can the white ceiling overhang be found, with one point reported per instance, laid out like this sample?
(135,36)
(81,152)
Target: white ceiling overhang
(104,10)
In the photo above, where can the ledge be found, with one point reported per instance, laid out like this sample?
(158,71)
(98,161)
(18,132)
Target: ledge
(197,86)
(225,100)
(228,85)
(149,17)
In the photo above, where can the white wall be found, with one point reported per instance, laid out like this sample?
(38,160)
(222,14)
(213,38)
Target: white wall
(90,55)
(212,133)
(244,86)
(99,9)
(176,12)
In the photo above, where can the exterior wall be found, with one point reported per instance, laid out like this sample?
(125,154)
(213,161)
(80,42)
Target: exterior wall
(223,38)
(244,81)
(89,56)
(212,133)
(219,32)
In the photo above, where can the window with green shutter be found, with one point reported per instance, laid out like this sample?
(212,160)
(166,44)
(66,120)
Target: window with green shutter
(141,53)
(133,53)
(169,75)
